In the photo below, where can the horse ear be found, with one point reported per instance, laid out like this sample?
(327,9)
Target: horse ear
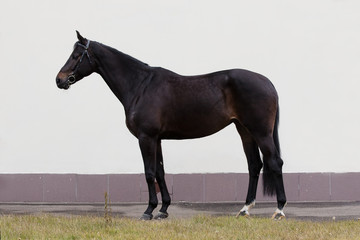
(81,39)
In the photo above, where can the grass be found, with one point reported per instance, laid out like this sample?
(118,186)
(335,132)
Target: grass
(199,227)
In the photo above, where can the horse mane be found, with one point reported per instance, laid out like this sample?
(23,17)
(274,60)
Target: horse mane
(127,57)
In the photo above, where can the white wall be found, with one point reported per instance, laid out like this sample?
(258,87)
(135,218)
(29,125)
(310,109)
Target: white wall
(309,49)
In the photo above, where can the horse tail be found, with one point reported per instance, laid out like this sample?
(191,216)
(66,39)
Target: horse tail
(276,132)
(269,175)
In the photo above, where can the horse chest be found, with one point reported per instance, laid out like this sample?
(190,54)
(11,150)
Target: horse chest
(131,123)
(142,122)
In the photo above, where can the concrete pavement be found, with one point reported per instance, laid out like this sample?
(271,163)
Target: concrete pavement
(315,211)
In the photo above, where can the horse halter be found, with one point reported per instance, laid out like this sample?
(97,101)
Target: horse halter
(71,78)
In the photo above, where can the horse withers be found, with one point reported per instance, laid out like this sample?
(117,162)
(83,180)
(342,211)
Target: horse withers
(160,104)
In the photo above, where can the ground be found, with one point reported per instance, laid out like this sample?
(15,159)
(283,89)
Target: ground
(315,211)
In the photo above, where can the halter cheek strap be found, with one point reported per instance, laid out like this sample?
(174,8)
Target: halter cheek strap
(71,78)
(85,51)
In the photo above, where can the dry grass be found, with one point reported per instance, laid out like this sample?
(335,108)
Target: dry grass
(200,227)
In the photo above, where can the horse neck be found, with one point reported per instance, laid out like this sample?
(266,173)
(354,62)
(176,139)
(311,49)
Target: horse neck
(122,73)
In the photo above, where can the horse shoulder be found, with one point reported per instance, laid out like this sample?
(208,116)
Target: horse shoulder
(143,115)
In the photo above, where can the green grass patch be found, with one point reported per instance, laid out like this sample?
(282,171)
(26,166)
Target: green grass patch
(199,227)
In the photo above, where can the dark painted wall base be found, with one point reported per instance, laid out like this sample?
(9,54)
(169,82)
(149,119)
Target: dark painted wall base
(80,188)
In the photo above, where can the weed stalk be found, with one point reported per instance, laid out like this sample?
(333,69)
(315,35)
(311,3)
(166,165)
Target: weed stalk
(107,209)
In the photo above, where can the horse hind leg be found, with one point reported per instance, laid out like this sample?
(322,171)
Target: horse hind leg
(272,173)
(251,150)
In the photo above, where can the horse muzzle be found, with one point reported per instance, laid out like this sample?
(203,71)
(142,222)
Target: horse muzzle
(64,82)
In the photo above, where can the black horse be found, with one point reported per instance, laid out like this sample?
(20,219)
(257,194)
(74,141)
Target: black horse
(160,104)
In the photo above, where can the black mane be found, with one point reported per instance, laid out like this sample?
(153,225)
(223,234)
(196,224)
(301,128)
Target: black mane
(124,55)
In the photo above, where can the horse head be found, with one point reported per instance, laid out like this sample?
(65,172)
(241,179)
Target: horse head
(79,65)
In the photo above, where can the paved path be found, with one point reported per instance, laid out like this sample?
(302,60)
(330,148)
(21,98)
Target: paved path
(306,211)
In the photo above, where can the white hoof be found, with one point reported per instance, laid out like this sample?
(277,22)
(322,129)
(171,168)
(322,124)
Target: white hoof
(245,210)
(278,215)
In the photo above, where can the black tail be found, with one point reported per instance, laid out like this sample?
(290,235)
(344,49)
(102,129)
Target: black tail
(276,132)
(269,176)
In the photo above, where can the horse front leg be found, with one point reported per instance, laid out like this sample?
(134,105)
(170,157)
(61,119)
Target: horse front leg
(148,147)
(160,178)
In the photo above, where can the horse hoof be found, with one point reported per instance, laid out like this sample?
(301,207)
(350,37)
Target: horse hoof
(243,213)
(146,217)
(161,215)
(278,215)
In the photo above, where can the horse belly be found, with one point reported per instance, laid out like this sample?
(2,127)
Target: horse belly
(195,121)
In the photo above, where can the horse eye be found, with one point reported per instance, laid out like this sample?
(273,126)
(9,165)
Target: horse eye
(75,56)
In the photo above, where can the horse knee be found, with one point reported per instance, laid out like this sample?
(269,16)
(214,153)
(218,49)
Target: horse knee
(150,178)
(254,169)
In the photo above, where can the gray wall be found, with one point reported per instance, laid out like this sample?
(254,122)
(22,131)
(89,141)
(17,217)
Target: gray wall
(122,188)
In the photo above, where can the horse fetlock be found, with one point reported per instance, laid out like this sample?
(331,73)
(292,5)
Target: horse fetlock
(152,205)
(245,210)
(164,208)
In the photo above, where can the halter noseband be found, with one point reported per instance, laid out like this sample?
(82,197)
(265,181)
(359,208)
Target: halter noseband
(71,78)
